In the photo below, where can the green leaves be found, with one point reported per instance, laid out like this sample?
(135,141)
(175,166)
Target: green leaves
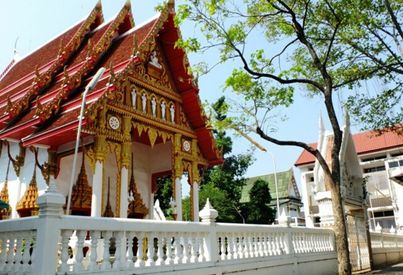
(285,47)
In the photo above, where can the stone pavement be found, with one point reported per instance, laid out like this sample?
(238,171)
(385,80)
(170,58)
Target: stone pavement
(394,269)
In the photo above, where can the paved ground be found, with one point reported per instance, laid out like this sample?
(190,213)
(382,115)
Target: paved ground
(394,269)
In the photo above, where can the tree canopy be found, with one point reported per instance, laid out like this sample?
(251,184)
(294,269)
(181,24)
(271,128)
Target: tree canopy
(321,48)
(223,184)
(257,210)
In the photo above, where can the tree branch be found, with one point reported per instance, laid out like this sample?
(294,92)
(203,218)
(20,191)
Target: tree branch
(394,19)
(309,149)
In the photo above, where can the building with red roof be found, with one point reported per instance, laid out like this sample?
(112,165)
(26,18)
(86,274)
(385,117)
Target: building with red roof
(143,118)
(380,156)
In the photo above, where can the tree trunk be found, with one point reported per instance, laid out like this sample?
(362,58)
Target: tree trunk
(340,230)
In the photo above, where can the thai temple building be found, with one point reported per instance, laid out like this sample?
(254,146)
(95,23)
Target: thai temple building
(142,119)
(286,191)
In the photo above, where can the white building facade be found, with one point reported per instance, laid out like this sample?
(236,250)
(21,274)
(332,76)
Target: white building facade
(381,162)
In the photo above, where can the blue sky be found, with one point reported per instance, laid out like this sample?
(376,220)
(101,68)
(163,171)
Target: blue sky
(34,22)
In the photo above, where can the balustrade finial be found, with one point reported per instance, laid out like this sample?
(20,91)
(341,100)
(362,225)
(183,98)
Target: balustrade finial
(208,213)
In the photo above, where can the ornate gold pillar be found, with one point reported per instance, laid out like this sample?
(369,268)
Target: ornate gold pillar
(195,183)
(125,156)
(177,176)
(195,191)
(97,179)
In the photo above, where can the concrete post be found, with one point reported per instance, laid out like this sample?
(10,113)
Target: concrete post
(208,215)
(48,233)
(178,199)
(96,199)
(124,182)
(195,194)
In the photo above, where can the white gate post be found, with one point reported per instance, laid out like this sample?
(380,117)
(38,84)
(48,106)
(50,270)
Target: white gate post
(48,233)
(208,215)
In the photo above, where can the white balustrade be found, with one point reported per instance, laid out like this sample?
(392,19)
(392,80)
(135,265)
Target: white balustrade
(94,244)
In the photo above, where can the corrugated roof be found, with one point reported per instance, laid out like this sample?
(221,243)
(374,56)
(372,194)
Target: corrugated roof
(284,180)
(365,142)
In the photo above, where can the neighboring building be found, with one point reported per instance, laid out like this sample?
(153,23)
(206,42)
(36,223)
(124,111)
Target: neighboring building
(143,119)
(317,194)
(381,161)
(288,194)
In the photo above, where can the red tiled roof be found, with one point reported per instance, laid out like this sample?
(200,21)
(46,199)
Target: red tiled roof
(365,142)
(61,125)
(40,57)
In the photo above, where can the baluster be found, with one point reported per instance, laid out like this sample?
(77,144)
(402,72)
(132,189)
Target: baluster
(281,242)
(129,253)
(150,250)
(65,250)
(93,256)
(3,254)
(160,251)
(264,245)
(169,245)
(140,240)
(230,245)
(185,258)
(269,244)
(18,251)
(278,243)
(29,257)
(314,244)
(223,255)
(25,254)
(310,242)
(321,242)
(234,246)
(178,251)
(245,247)
(299,241)
(253,246)
(117,263)
(106,265)
(202,256)
(260,245)
(303,243)
(10,253)
(193,248)
(79,251)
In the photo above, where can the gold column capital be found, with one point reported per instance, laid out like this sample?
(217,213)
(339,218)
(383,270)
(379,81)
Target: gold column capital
(101,147)
(126,154)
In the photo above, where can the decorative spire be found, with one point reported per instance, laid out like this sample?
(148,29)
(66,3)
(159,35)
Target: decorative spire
(81,194)
(89,48)
(108,209)
(346,118)
(136,208)
(28,205)
(135,45)
(111,73)
(5,213)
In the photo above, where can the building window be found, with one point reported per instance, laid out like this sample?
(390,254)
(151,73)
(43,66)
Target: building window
(374,158)
(375,169)
(394,164)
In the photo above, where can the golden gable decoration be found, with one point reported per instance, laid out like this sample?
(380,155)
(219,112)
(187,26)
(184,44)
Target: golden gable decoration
(82,193)
(28,204)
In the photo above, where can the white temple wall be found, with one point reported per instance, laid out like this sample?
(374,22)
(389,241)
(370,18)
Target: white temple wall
(160,158)
(64,177)
(142,171)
